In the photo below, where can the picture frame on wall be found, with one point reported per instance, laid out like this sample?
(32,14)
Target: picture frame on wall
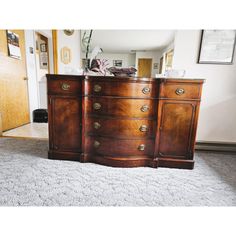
(65,55)
(117,63)
(155,66)
(43,47)
(217,47)
(43,59)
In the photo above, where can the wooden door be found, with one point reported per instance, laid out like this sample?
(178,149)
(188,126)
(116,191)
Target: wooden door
(144,67)
(64,123)
(14,104)
(176,130)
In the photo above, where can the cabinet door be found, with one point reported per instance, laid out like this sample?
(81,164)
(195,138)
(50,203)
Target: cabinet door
(65,124)
(177,129)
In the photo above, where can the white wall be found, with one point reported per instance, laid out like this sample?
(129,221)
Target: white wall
(217,121)
(72,42)
(155,55)
(169,47)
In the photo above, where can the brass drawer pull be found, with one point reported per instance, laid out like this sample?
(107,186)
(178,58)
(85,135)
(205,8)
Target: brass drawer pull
(65,86)
(97,88)
(96,144)
(179,91)
(141,147)
(146,90)
(143,128)
(96,125)
(144,108)
(97,106)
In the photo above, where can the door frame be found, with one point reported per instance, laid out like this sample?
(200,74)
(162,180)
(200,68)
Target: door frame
(33,86)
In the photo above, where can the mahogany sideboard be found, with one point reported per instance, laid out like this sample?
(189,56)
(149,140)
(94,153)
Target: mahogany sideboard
(123,121)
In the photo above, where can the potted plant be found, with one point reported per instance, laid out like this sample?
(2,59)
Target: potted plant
(86,44)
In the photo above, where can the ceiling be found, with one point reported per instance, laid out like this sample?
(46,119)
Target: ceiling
(125,41)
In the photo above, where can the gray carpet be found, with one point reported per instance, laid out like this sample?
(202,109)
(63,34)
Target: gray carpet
(28,178)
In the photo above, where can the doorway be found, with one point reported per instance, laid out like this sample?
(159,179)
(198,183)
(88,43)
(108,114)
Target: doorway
(42,67)
(144,67)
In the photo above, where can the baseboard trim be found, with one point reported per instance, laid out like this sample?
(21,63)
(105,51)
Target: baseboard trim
(216,146)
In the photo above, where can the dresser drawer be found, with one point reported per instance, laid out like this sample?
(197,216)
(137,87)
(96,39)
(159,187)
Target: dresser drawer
(180,91)
(119,147)
(64,87)
(123,89)
(118,107)
(120,128)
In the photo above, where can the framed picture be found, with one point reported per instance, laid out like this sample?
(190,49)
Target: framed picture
(43,58)
(155,66)
(65,55)
(217,47)
(13,43)
(43,47)
(117,63)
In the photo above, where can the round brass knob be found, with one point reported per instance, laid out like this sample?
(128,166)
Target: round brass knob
(146,90)
(96,144)
(65,86)
(144,108)
(97,106)
(143,128)
(141,147)
(97,88)
(96,125)
(179,91)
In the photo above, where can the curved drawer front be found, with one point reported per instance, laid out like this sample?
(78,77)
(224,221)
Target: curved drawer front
(139,108)
(120,128)
(64,87)
(123,89)
(119,147)
(180,91)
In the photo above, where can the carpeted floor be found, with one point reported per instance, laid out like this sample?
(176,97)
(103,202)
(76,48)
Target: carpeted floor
(28,178)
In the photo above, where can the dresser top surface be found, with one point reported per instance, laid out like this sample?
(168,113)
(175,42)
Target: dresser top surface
(123,78)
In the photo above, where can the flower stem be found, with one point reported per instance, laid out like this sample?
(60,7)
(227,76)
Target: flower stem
(87,50)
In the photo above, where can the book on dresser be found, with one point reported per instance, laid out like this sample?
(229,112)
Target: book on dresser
(123,121)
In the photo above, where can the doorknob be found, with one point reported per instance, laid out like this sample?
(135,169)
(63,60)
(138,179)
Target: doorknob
(25,78)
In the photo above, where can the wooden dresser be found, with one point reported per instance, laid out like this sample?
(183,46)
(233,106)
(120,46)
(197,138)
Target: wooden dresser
(123,121)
